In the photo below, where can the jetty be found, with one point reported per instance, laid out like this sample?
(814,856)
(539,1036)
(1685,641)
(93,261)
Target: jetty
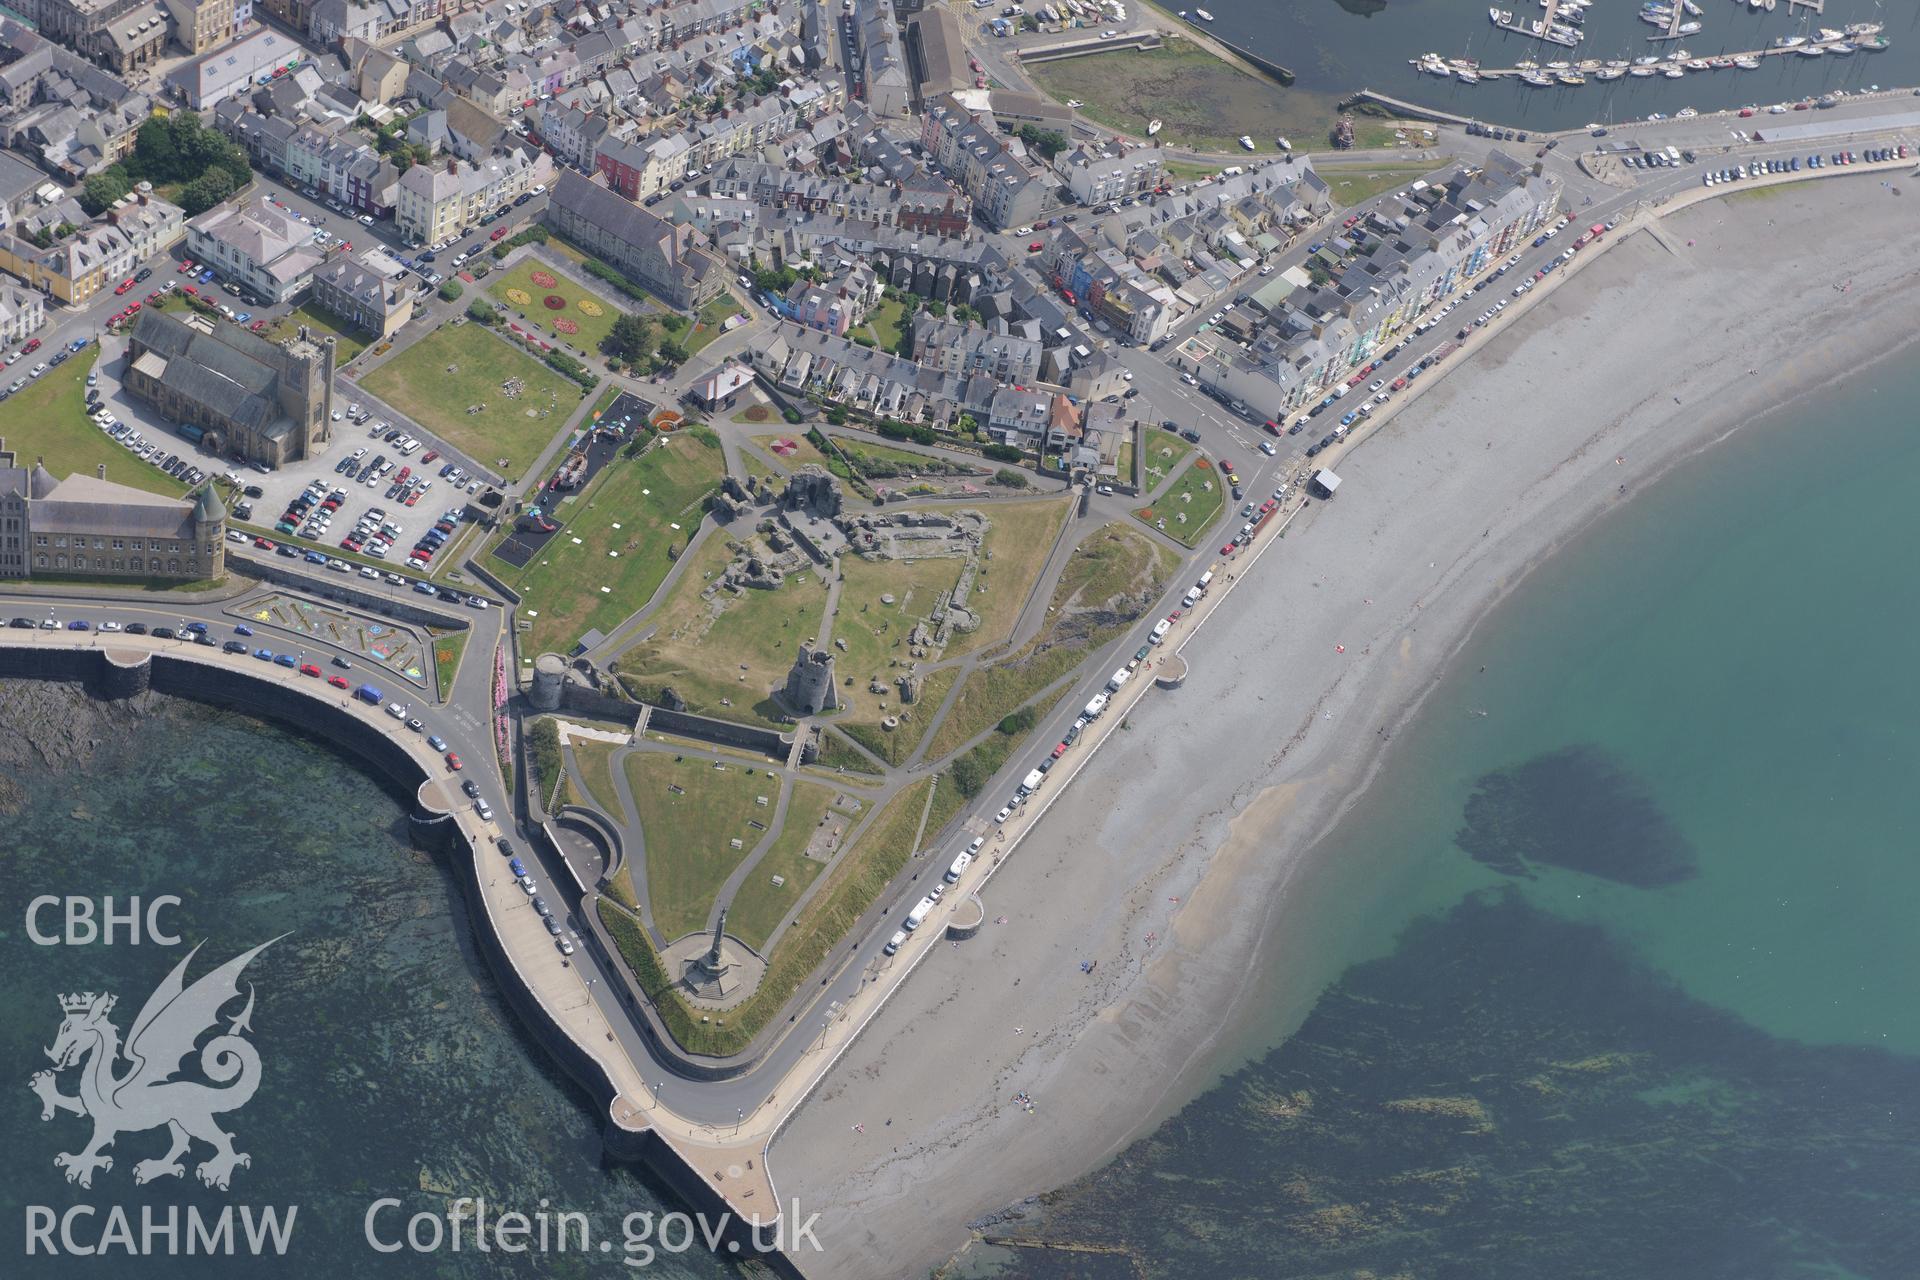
(1860,37)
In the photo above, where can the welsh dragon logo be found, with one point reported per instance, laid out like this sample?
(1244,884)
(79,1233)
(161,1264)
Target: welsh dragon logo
(146,1095)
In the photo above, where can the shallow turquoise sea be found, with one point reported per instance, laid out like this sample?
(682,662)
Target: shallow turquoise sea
(1614,971)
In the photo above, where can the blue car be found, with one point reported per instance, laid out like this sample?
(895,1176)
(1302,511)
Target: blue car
(516,866)
(265,655)
(1349,419)
(78,344)
(285,660)
(314,557)
(425,588)
(206,277)
(242,629)
(78,625)
(437,742)
(196,626)
(243,317)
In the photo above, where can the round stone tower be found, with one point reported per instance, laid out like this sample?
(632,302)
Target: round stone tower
(549,681)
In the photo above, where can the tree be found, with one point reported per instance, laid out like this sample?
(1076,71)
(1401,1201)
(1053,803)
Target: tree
(1002,453)
(206,191)
(450,290)
(1048,142)
(153,149)
(672,352)
(480,311)
(631,339)
(103,188)
(1008,478)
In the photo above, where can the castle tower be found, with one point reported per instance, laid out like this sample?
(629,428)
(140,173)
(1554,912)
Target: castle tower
(810,688)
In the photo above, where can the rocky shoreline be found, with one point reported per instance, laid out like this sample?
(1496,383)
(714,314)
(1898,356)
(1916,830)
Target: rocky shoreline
(51,725)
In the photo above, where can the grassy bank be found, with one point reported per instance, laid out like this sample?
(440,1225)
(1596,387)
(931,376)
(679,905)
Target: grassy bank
(1202,102)
(850,888)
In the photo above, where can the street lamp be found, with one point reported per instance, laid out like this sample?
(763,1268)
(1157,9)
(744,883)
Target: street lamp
(739,1118)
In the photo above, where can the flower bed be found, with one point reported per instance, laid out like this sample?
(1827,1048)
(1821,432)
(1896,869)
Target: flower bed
(554,302)
(545,279)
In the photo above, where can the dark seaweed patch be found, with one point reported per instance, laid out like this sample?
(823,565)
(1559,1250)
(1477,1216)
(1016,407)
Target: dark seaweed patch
(1574,808)
(1511,1096)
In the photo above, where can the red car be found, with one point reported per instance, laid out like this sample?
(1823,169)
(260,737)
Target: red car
(308,669)
(1035,247)
(124,285)
(453,762)
(1059,750)
(258,325)
(32,346)
(497,233)
(263,544)
(186,265)
(1227,550)
(429,456)
(189,289)
(1226,466)
(338,682)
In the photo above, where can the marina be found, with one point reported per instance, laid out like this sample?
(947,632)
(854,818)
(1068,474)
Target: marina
(1859,37)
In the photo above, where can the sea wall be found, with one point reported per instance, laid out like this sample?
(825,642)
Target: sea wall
(314,714)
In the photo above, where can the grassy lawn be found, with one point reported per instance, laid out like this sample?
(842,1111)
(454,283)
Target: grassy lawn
(896,745)
(707,325)
(760,904)
(1188,171)
(440,378)
(630,509)
(836,754)
(1018,542)
(1164,452)
(446,658)
(1188,509)
(348,341)
(802,455)
(48,419)
(1204,103)
(886,323)
(1113,575)
(593,761)
(736,647)
(850,888)
(525,300)
(1351,186)
(874,632)
(690,812)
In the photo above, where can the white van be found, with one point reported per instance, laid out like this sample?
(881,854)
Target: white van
(1096,706)
(1031,783)
(959,868)
(1160,630)
(1117,679)
(1190,599)
(898,940)
(1206,580)
(921,910)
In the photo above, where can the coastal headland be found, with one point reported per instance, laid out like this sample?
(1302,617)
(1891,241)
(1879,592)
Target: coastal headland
(1169,866)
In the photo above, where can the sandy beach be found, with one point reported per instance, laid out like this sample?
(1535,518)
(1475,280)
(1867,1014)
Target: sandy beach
(1192,826)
